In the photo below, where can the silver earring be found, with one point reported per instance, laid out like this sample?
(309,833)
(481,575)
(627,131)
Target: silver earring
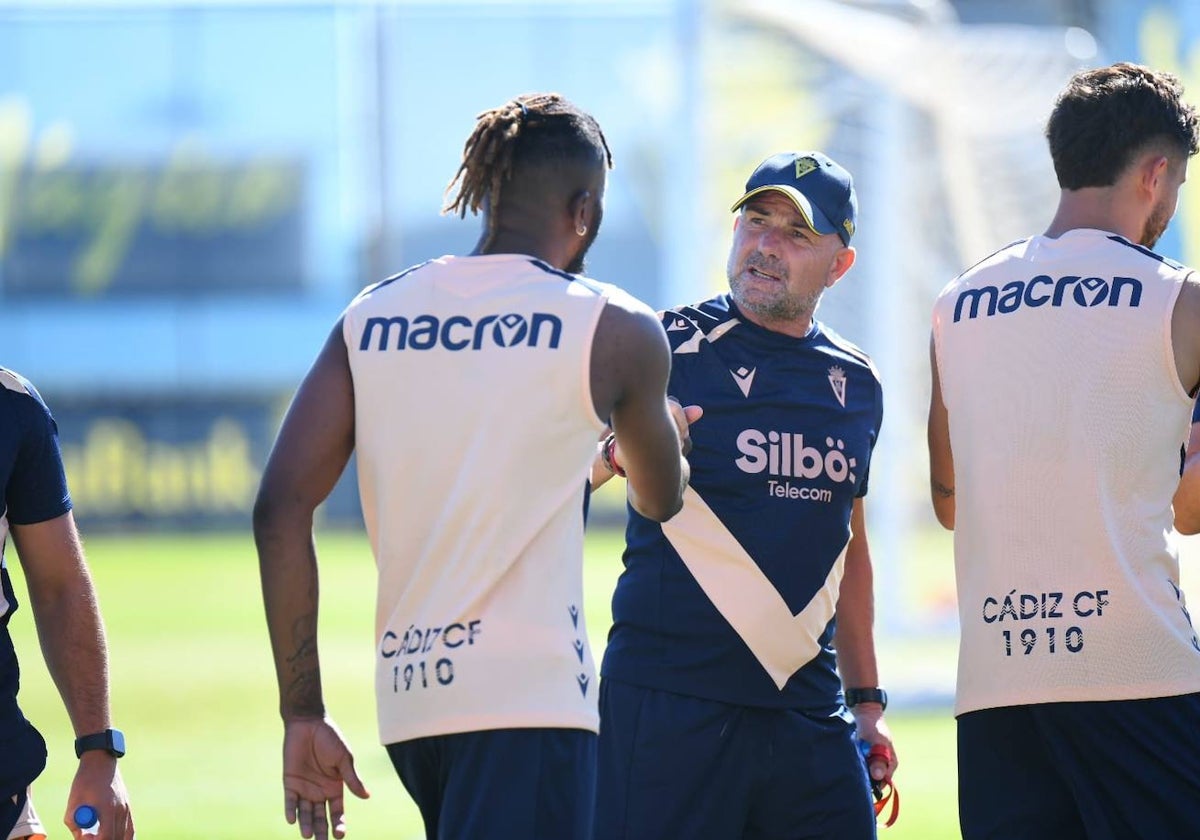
(581,230)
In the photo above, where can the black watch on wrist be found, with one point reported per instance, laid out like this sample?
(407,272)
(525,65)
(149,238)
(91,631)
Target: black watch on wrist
(854,696)
(112,741)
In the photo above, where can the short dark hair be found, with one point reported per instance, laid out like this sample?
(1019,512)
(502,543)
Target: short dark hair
(1106,115)
(542,130)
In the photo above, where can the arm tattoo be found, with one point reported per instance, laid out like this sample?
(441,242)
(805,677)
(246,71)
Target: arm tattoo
(303,693)
(942,490)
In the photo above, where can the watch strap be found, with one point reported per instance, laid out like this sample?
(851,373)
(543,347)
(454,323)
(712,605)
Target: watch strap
(111,741)
(854,696)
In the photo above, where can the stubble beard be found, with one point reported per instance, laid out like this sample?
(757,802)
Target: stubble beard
(1155,227)
(577,265)
(783,307)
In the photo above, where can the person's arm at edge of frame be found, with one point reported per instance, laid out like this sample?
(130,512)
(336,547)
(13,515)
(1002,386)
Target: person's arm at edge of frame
(854,635)
(651,449)
(941,458)
(71,632)
(1185,340)
(1187,496)
(314,444)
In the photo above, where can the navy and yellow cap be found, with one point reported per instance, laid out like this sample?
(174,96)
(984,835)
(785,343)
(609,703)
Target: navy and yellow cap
(820,188)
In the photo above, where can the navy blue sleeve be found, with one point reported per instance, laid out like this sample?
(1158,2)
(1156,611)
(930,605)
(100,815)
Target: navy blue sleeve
(37,486)
(866,479)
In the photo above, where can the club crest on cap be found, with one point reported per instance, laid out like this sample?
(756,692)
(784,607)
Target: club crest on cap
(821,189)
(804,165)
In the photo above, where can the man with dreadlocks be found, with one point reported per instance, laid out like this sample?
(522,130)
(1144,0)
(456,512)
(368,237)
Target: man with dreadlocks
(473,389)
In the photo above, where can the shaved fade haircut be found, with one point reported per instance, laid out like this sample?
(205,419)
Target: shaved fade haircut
(1105,116)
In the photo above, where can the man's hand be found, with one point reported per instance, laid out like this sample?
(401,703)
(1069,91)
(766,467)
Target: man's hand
(684,418)
(873,729)
(98,783)
(316,763)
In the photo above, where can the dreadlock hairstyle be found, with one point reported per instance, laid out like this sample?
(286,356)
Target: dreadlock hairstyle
(536,129)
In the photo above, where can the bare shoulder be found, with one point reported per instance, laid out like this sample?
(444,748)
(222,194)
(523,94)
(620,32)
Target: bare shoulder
(630,353)
(1185,325)
(621,304)
(627,319)
(1189,295)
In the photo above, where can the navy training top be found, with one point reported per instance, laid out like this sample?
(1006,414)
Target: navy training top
(781,453)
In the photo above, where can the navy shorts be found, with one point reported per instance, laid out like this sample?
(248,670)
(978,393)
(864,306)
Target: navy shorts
(10,810)
(675,767)
(1115,770)
(22,759)
(529,783)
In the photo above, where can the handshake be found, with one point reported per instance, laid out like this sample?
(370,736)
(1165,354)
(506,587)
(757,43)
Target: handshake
(684,417)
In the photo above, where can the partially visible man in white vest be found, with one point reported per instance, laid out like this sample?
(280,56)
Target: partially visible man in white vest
(1065,368)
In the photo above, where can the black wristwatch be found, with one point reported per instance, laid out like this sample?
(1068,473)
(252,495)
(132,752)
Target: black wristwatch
(112,741)
(854,696)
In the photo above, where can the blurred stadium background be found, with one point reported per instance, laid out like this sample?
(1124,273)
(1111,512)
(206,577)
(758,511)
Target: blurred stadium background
(190,192)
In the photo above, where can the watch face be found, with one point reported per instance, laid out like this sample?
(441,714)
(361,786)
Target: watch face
(118,741)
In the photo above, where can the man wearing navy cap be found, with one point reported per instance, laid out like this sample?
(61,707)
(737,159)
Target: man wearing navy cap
(722,711)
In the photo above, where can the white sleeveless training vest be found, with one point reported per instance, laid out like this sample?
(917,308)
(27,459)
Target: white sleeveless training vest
(1066,422)
(475,432)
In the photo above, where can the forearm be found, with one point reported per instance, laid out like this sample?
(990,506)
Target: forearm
(855,643)
(647,451)
(854,638)
(64,607)
(856,654)
(288,568)
(656,511)
(310,453)
(73,643)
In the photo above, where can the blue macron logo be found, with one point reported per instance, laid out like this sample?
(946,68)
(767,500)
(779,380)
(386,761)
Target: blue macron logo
(1086,292)
(457,332)
(1091,291)
(510,330)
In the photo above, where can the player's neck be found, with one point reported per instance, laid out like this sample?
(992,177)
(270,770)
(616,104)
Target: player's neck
(1097,208)
(508,240)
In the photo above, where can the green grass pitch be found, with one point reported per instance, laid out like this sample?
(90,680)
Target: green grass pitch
(194,690)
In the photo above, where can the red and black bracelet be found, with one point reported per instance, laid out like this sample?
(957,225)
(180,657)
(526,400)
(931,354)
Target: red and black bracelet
(608,454)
